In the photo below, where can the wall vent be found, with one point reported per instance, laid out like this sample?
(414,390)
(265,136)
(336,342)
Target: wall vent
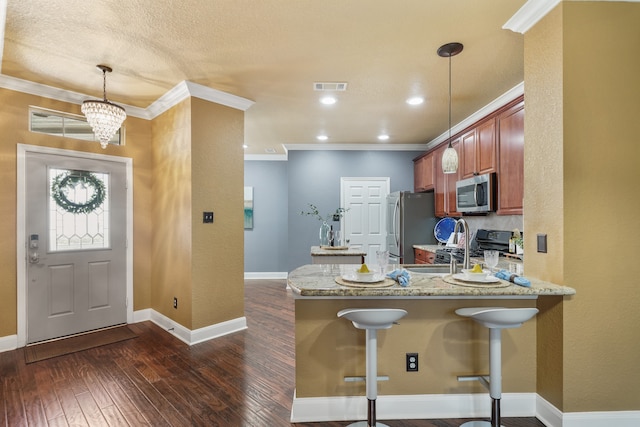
(330,86)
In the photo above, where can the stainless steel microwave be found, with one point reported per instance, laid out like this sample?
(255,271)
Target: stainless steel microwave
(476,194)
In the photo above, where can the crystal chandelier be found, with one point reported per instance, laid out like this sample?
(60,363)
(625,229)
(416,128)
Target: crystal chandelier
(104,117)
(450,155)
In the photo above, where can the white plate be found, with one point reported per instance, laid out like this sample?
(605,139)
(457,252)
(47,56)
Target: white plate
(488,279)
(351,277)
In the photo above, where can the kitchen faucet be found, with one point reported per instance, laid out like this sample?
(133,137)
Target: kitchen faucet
(465,228)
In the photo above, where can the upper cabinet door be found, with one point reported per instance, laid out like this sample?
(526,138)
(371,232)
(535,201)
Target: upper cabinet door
(511,165)
(479,149)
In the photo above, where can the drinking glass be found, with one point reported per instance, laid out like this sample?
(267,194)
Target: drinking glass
(491,259)
(337,238)
(383,260)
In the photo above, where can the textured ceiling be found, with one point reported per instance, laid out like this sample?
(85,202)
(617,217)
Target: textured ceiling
(271,52)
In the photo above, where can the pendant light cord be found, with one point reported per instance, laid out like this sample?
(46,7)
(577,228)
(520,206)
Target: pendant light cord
(104,88)
(450,146)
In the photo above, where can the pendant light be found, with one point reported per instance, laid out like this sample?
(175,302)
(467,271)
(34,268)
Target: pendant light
(450,156)
(104,117)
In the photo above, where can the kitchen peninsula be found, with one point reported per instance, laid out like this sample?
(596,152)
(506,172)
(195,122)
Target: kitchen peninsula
(329,349)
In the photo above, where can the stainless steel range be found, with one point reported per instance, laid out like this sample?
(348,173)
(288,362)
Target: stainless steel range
(483,240)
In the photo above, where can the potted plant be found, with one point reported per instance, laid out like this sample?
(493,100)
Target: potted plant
(324,227)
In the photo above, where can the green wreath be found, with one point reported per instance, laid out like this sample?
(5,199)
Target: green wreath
(70,180)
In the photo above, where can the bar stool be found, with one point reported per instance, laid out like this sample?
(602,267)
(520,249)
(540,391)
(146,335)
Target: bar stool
(372,319)
(496,319)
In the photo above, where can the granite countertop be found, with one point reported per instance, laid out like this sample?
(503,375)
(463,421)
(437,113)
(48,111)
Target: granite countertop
(510,263)
(326,251)
(319,281)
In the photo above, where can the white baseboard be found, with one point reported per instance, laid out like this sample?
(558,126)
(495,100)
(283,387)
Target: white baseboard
(347,408)
(186,335)
(396,407)
(267,275)
(601,419)
(8,343)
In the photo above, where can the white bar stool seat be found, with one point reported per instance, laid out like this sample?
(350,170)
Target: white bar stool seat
(372,319)
(496,319)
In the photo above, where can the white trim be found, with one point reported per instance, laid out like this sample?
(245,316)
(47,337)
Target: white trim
(423,406)
(181,91)
(3,23)
(259,157)
(529,14)
(548,414)
(356,147)
(534,10)
(500,101)
(437,406)
(8,343)
(21,153)
(186,335)
(267,275)
(38,89)
(601,419)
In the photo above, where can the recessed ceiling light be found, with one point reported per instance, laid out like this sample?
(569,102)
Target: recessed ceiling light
(322,137)
(383,137)
(415,100)
(270,150)
(245,146)
(328,100)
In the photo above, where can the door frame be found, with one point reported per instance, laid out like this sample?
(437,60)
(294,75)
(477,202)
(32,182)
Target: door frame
(21,238)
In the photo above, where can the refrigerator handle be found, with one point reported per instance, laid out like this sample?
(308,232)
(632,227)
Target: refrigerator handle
(396,224)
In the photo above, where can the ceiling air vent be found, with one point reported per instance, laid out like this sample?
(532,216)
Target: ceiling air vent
(330,86)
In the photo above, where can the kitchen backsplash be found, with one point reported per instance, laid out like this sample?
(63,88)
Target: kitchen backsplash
(495,222)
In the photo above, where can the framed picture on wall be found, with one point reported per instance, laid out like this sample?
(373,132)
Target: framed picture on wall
(248,208)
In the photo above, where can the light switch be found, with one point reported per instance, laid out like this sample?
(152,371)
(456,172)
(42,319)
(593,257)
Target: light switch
(207,217)
(542,243)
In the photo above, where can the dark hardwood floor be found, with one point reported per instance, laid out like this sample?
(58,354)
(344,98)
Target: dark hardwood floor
(243,379)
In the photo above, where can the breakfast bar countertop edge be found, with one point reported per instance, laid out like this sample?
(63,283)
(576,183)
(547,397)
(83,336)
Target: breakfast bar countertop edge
(318,281)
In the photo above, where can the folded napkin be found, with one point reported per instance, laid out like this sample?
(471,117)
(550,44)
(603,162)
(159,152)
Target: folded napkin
(401,276)
(511,277)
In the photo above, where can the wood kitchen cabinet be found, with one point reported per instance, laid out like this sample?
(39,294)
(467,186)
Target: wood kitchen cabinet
(423,173)
(423,256)
(445,184)
(511,160)
(478,149)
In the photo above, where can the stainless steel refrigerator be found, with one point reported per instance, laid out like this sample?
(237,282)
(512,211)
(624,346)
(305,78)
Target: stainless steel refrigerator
(410,221)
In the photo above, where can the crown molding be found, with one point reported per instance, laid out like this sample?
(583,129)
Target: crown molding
(355,147)
(534,10)
(529,14)
(500,101)
(178,93)
(269,157)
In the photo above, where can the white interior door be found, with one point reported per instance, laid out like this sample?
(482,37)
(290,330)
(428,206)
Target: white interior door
(75,224)
(364,224)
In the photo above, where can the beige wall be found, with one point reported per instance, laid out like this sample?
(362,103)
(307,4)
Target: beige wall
(14,128)
(582,162)
(174,253)
(171,219)
(329,348)
(217,176)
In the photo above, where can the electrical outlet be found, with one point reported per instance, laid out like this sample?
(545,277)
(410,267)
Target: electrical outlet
(175,302)
(412,362)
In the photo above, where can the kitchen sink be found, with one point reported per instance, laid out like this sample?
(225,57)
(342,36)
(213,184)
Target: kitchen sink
(430,269)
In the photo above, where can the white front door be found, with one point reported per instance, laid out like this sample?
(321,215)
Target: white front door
(75,224)
(364,224)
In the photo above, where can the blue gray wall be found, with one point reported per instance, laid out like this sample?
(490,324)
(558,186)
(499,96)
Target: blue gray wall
(265,246)
(281,238)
